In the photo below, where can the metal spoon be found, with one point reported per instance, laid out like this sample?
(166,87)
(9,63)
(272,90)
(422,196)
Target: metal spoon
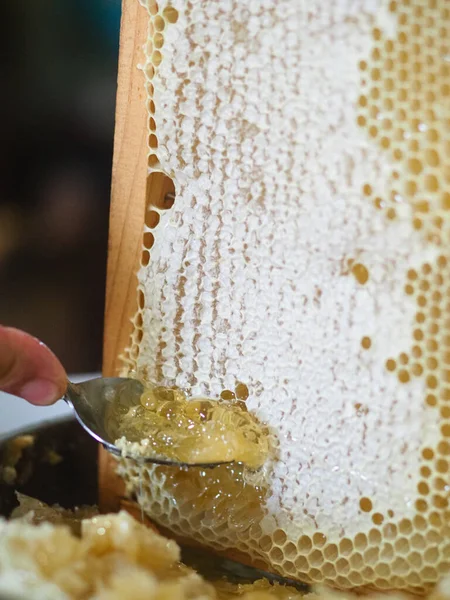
(93,404)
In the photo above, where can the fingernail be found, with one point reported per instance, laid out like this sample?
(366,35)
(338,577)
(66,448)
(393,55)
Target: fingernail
(40,391)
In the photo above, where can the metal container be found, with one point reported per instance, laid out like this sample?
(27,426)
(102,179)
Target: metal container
(60,467)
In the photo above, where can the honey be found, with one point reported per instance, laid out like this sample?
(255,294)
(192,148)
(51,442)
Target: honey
(168,425)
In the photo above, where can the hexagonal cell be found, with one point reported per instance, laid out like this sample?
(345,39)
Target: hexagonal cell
(368,574)
(346,547)
(375,536)
(279,537)
(289,567)
(304,544)
(342,581)
(417,541)
(431,555)
(276,555)
(319,540)
(383,570)
(355,578)
(328,570)
(443,568)
(371,555)
(382,584)
(360,542)
(428,574)
(343,566)
(387,552)
(402,546)
(389,531)
(316,575)
(400,566)
(301,564)
(315,558)
(290,550)
(265,543)
(330,552)
(356,560)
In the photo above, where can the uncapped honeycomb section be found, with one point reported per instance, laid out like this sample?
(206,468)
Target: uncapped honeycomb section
(300,262)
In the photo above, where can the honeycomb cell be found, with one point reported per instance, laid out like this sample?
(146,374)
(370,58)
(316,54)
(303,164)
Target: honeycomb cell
(289,567)
(331,552)
(279,536)
(391,365)
(423,488)
(304,544)
(276,555)
(265,543)
(428,574)
(148,240)
(377,518)
(402,546)
(389,531)
(366,342)
(328,570)
(241,391)
(387,552)
(355,578)
(152,218)
(301,564)
(170,14)
(360,273)
(356,561)
(431,555)
(375,536)
(360,542)
(156,58)
(319,540)
(315,558)
(158,41)
(159,23)
(345,547)
(290,551)
(343,566)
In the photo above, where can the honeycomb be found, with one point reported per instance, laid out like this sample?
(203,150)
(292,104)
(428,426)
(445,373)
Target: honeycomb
(115,557)
(112,557)
(301,252)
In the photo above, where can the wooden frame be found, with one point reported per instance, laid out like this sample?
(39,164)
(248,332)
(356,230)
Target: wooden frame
(128,201)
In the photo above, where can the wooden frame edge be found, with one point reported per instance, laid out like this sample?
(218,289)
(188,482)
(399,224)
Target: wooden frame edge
(127,213)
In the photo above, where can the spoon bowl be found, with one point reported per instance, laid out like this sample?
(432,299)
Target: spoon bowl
(93,403)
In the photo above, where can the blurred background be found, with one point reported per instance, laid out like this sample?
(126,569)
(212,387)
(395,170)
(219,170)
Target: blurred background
(58,67)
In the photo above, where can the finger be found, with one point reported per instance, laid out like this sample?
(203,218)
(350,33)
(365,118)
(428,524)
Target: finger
(29,369)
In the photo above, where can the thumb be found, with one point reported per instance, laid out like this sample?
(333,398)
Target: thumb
(29,369)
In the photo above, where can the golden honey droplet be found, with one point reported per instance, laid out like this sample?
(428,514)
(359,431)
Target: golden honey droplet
(361,273)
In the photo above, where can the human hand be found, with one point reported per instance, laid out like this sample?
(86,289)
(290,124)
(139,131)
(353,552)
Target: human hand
(28,369)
